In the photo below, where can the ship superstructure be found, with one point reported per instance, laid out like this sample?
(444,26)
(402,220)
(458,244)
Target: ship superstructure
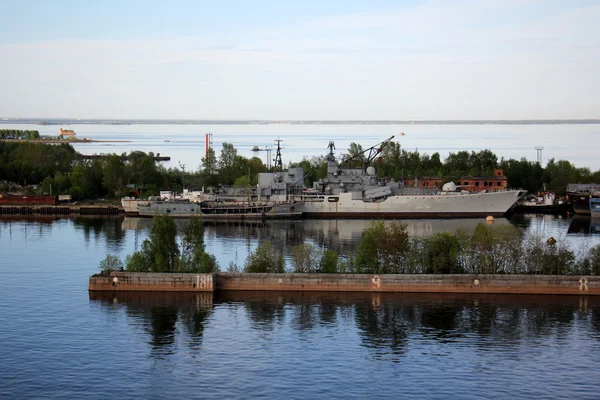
(349,192)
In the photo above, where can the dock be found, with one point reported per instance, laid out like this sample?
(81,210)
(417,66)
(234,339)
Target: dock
(60,210)
(123,158)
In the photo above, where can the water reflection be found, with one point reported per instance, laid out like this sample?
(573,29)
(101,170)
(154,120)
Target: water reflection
(386,323)
(40,226)
(584,225)
(338,235)
(98,227)
(163,315)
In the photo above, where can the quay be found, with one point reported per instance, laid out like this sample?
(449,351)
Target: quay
(384,283)
(59,210)
(123,158)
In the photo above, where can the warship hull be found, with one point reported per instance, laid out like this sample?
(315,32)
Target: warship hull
(457,205)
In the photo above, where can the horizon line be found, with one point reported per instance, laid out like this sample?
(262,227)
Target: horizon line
(37,120)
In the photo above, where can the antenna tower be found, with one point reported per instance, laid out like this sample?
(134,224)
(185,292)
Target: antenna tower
(539,154)
(209,142)
(278,163)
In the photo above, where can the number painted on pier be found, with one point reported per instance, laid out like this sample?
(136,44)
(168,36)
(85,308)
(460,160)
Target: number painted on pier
(583,284)
(204,281)
(375,282)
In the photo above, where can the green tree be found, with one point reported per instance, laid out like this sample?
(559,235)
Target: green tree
(227,164)
(265,259)
(329,262)
(160,250)
(357,156)
(383,249)
(210,167)
(193,254)
(594,257)
(440,253)
(303,258)
(109,264)
(112,173)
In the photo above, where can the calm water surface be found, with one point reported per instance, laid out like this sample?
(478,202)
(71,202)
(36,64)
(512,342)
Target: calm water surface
(59,341)
(185,143)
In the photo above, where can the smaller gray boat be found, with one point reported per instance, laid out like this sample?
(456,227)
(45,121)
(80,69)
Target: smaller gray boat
(219,210)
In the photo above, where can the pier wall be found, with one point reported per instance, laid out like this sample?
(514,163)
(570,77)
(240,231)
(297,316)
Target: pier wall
(500,284)
(152,282)
(58,210)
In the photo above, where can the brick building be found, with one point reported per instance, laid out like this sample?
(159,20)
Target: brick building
(66,132)
(470,183)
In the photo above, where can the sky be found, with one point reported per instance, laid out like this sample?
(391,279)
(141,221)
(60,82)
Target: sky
(300,60)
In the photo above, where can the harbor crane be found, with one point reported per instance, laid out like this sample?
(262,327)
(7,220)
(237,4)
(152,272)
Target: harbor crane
(366,156)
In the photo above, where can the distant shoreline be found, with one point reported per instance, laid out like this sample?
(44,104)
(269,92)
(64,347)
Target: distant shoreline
(66,121)
(54,141)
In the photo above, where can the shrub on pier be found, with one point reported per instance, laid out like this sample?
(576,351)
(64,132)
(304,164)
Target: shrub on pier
(109,264)
(161,253)
(303,258)
(265,259)
(383,249)
(440,254)
(329,262)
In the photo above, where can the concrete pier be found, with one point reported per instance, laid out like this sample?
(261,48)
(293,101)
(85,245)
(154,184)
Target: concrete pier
(152,282)
(59,210)
(222,281)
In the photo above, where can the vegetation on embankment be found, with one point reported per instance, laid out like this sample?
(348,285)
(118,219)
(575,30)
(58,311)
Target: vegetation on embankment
(55,166)
(167,250)
(383,249)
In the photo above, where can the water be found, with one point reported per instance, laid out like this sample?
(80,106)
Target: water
(59,341)
(185,143)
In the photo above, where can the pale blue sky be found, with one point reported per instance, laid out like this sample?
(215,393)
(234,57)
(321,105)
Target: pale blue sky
(431,59)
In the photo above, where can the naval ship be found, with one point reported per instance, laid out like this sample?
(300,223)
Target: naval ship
(357,193)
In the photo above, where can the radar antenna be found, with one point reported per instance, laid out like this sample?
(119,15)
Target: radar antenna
(331,147)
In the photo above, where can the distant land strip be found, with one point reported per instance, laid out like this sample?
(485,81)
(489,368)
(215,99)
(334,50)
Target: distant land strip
(76,121)
(54,141)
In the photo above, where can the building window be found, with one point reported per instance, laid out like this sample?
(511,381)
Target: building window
(476,183)
(498,183)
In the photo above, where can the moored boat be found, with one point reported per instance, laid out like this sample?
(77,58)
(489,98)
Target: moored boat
(579,196)
(218,210)
(131,205)
(544,203)
(594,207)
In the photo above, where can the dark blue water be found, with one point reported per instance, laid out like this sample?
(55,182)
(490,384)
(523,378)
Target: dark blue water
(59,341)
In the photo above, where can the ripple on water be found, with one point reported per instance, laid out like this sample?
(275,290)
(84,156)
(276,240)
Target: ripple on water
(58,341)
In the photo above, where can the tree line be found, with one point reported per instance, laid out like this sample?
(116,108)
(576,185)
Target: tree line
(19,134)
(387,249)
(57,169)
(383,249)
(167,249)
(395,162)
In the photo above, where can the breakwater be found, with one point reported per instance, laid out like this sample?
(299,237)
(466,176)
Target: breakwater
(385,283)
(58,210)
